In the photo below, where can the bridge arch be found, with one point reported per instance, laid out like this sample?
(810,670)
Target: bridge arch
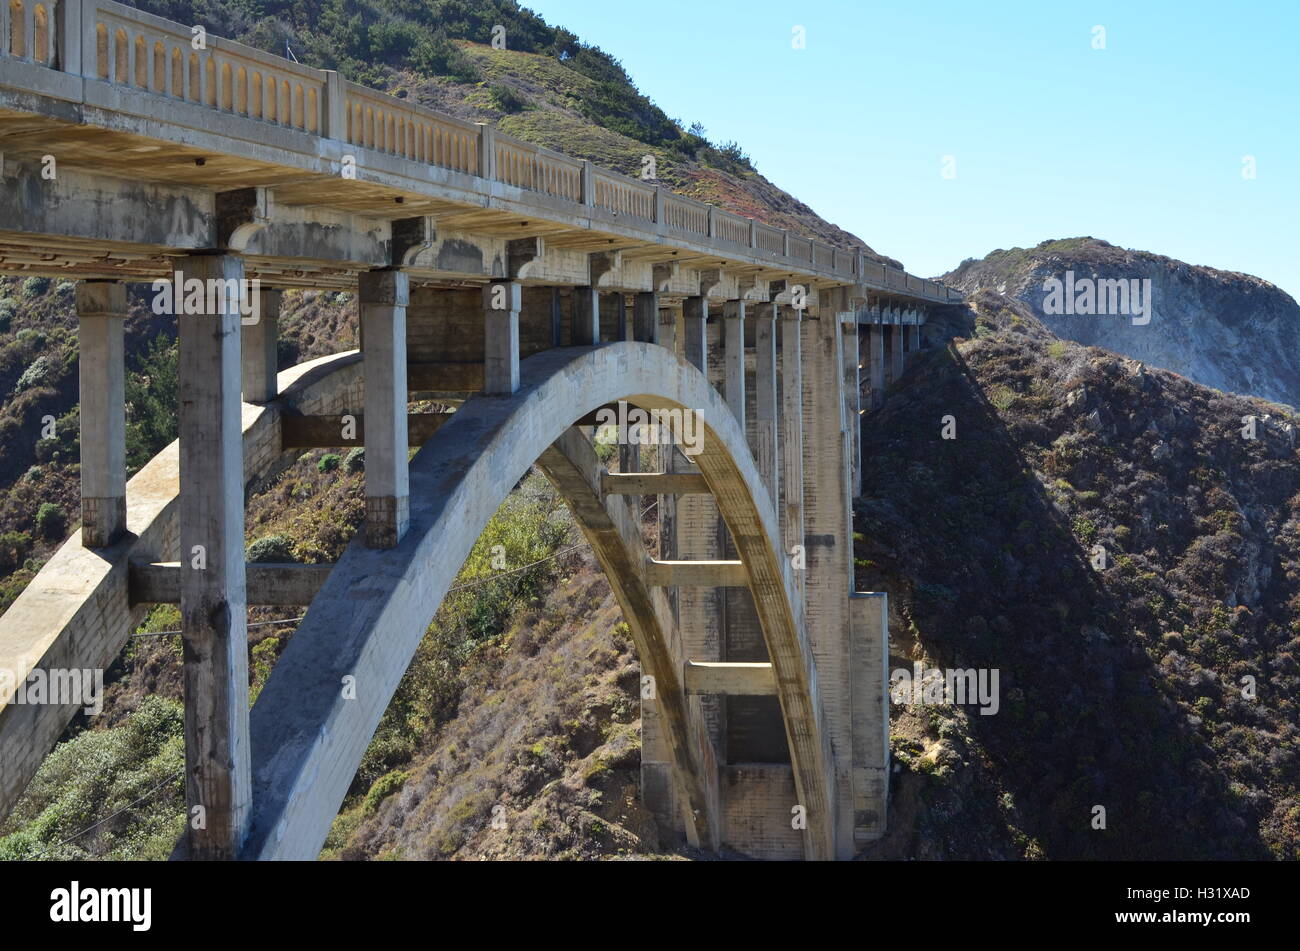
(368,619)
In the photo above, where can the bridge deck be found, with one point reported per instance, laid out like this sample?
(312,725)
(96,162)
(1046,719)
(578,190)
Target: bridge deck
(114,92)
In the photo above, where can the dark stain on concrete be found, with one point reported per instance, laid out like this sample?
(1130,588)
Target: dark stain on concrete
(457,255)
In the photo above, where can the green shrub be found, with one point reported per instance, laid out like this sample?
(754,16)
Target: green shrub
(151,401)
(35,286)
(50,520)
(438,55)
(14,548)
(328,462)
(271,549)
(382,788)
(8,307)
(122,788)
(1002,397)
(35,375)
(506,99)
(355,460)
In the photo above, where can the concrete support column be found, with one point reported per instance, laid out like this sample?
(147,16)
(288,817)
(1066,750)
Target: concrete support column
(214,614)
(876,364)
(622,319)
(914,339)
(101,317)
(259,347)
(733,319)
(502,301)
(667,330)
(645,317)
(853,402)
(695,318)
(828,528)
(585,328)
(669,458)
(792,448)
(700,538)
(383,298)
(896,353)
(767,444)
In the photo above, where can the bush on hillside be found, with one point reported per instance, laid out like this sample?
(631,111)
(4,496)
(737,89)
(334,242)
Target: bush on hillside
(50,521)
(271,549)
(35,286)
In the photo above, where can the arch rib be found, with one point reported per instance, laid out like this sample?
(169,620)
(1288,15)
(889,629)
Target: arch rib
(612,528)
(367,621)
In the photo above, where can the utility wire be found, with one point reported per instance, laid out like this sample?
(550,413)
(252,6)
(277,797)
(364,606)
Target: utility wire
(77,835)
(460,587)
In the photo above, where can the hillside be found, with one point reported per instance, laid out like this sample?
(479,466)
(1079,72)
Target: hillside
(1231,331)
(1121,687)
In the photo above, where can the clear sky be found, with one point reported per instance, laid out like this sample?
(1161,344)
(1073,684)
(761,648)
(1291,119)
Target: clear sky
(1141,143)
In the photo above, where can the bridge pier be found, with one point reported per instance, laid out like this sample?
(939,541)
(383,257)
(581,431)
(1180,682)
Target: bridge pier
(896,350)
(829,533)
(502,302)
(913,337)
(733,319)
(585,325)
(853,398)
(214,616)
(876,364)
(767,447)
(792,531)
(258,345)
(101,318)
(645,317)
(382,300)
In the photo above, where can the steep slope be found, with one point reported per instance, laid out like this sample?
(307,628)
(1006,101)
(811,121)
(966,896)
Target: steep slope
(1230,331)
(1162,685)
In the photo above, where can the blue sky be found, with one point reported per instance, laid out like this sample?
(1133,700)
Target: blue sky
(1141,143)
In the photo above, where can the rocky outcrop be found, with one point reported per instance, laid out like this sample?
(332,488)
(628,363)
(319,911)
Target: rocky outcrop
(1230,331)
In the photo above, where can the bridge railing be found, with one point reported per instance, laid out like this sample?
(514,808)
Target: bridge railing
(534,168)
(28,30)
(621,195)
(105,40)
(132,48)
(375,121)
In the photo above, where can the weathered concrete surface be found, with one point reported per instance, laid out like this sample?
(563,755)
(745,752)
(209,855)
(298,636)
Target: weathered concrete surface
(214,613)
(869,682)
(370,616)
(828,533)
(268,584)
(704,574)
(259,348)
(328,432)
(757,804)
(730,679)
(791,442)
(502,301)
(651,483)
(101,319)
(382,300)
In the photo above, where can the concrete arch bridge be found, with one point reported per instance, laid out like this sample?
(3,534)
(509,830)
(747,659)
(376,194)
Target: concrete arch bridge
(525,290)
